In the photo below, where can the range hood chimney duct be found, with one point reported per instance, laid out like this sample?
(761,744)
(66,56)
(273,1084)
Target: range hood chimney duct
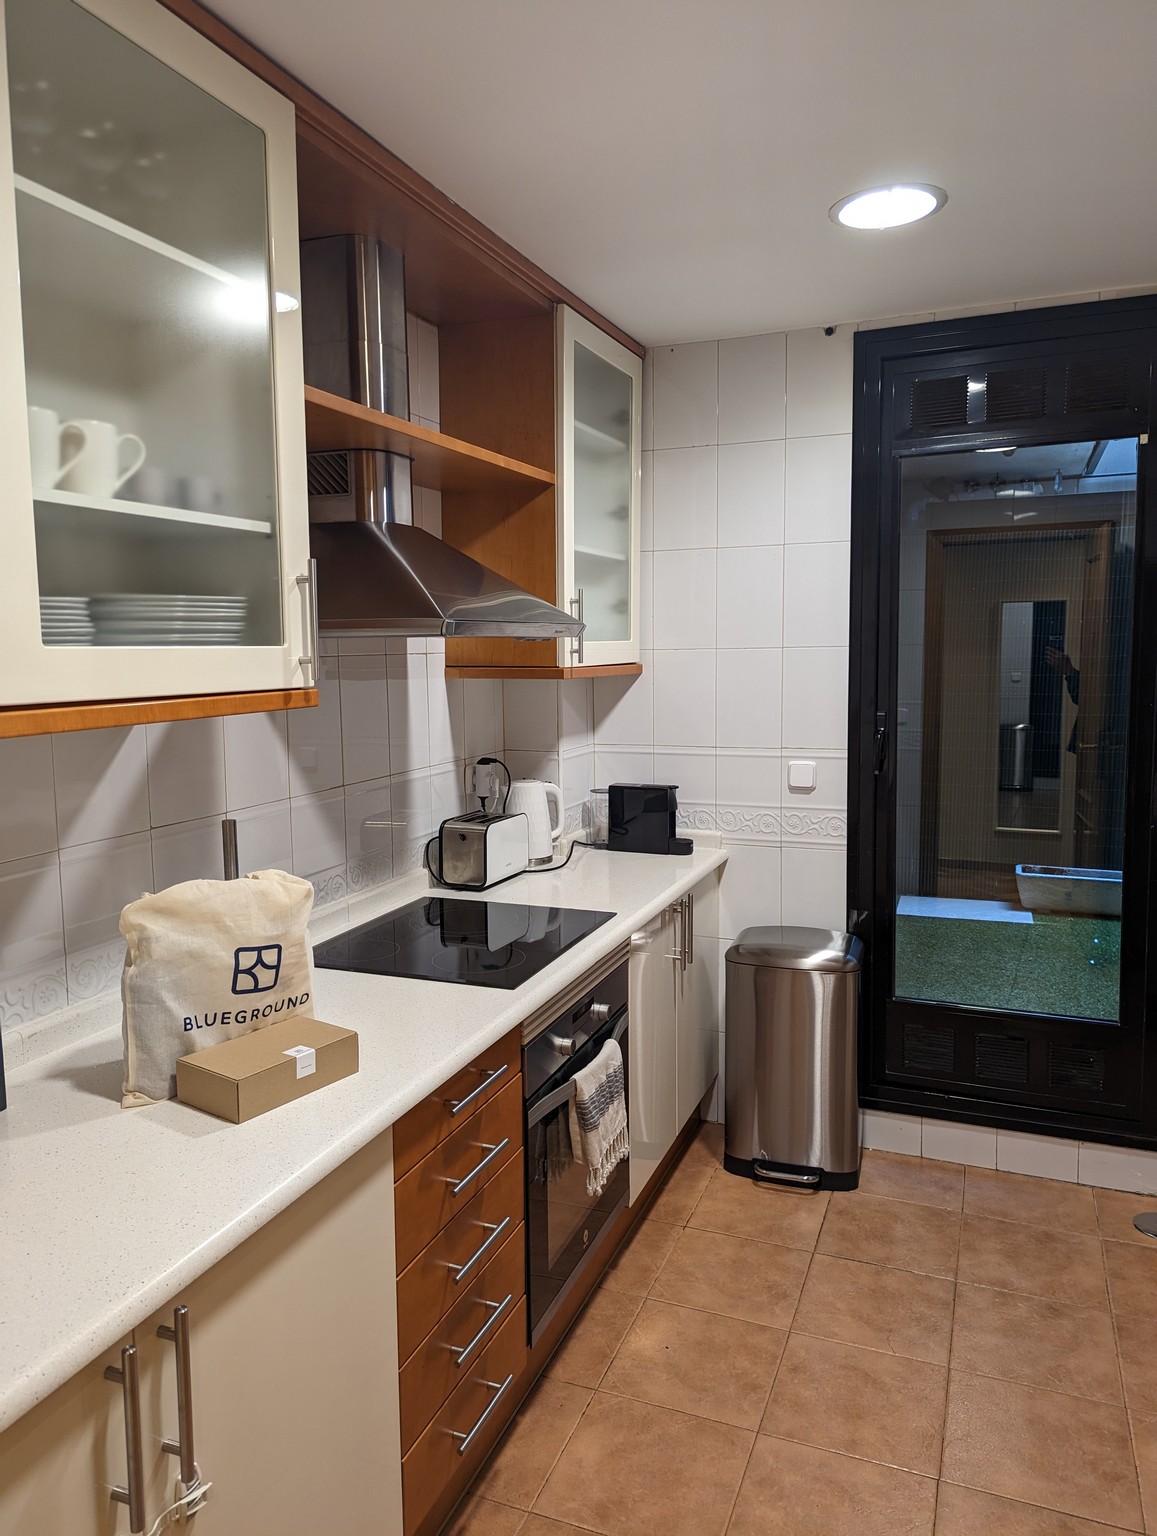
(377,572)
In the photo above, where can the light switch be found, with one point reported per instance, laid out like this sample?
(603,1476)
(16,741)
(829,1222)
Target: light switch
(801,776)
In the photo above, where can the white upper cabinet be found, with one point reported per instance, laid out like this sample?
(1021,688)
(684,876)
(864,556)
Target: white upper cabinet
(599,466)
(152,428)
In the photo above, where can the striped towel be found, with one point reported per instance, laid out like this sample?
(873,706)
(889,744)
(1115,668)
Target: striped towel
(598,1117)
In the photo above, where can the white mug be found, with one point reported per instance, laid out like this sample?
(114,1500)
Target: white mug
(95,471)
(44,434)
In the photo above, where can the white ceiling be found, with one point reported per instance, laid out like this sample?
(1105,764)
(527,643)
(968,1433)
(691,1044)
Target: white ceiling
(673,161)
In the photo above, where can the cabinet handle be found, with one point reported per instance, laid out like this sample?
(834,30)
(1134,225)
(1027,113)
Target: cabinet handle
(576,607)
(133,1493)
(496,1229)
(690,927)
(679,953)
(309,581)
(500,1389)
(491,1153)
(182,1446)
(498,1308)
(457,1106)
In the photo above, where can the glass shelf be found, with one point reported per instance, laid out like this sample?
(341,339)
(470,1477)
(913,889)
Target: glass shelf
(594,440)
(599,554)
(163,517)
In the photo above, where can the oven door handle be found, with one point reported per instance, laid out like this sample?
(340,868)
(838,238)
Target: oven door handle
(566,1090)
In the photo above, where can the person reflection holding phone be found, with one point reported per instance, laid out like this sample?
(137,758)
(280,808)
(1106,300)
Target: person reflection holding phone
(1059,661)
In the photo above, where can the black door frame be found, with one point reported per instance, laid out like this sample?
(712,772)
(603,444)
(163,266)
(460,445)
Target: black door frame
(1117,325)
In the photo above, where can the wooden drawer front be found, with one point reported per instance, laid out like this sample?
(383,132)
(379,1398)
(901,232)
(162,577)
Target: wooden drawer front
(446,1179)
(438,1456)
(420,1130)
(427,1288)
(436,1367)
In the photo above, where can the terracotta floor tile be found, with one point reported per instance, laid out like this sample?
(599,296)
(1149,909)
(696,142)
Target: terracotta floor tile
(539,1525)
(631,1469)
(1132,1278)
(797,1490)
(1065,1453)
(891,1232)
(634,1267)
(1115,1212)
(707,1144)
(1063,1266)
(743,1208)
(734,1276)
(1040,1202)
(1145,1450)
(965,1512)
(1138,1352)
(587,1350)
(859,1402)
(681,1190)
(482,1517)
(1038,1342)
(894,1310)
(917,1179)
(532,1444)
(698,1362)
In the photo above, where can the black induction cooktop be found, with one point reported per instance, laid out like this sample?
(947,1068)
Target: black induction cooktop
(443,938)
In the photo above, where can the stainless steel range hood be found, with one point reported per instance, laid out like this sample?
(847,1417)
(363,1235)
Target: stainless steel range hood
(379,575)
(376,572)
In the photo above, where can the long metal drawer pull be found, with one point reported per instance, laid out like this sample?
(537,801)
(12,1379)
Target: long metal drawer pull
(133,1493)
(182,1446)
(691,927)
(496,1229)
(491,1153)
(457,1106)
(500,1390)
(498,1308)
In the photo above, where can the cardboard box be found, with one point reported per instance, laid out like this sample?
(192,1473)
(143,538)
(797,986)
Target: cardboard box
(283,1061)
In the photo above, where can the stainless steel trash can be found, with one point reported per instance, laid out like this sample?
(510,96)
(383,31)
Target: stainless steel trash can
(792,1108)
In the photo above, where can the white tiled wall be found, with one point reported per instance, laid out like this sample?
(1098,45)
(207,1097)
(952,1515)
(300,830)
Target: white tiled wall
(345,794)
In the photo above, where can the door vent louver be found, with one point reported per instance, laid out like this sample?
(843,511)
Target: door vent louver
(1014,395)
(1076,1069)
(1002,1058)
(1097,384)
(328,474)
(938,403)
(929,1048)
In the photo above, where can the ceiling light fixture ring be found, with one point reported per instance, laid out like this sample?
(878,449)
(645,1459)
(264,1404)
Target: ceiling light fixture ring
(888,207)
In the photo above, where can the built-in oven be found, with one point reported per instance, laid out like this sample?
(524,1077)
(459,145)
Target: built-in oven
(565,1225)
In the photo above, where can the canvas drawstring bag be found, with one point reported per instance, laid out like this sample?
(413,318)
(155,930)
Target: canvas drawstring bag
(206,961)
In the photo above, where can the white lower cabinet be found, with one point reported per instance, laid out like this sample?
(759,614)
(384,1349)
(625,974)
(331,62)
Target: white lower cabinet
(674,1011)
(292,1388)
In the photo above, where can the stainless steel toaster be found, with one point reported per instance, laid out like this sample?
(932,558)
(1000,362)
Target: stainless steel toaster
(478,849)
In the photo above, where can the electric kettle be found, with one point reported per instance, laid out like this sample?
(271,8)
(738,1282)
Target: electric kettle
(533,798)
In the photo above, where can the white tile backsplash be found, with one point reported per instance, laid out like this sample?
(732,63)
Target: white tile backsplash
(752,388)
(96,881)
(684,698)
(749,894)
(814,892)
(751,493)
(750,597)
(819,381)
(624,709)
(685,498)
(365,716)
(28,801)
(748,698)
(684,616)
(883,1131)
(98,783)
(816,587)
(256,760)
(187,850)
(1047,1157)
(815,698)
(818,489)
(949,1141)
(686,395)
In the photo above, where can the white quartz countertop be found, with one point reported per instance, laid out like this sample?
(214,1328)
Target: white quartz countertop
(106,1213)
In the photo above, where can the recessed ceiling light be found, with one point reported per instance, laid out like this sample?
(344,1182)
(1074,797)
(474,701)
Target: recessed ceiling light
(886,207)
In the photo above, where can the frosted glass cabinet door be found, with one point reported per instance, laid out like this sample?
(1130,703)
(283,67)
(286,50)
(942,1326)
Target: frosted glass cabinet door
(152,430)
(599,476)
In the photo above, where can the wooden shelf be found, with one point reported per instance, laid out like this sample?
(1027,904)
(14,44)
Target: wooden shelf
(143,512)
(38,720)
(538,674)
(440,463)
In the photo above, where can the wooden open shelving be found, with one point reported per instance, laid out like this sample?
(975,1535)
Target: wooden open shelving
(439,462)
(37,719)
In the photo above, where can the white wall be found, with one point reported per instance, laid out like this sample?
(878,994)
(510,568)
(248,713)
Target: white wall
(345,794)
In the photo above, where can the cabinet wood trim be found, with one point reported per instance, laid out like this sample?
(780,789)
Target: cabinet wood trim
(412,195)
(40,719)
(533,674)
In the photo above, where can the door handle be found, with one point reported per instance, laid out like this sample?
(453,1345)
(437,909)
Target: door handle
(310,659)
(881,744)
(133,1491)
(182,1446)
(576,607)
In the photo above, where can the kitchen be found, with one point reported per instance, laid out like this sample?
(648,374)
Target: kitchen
(745,455)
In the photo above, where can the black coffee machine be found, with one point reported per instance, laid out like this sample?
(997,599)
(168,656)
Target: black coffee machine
(641,819)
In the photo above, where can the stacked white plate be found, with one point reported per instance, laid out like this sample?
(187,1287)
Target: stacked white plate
(143,618)
(65,621)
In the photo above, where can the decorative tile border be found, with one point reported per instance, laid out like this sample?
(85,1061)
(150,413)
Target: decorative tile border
(32,995)
(822,826)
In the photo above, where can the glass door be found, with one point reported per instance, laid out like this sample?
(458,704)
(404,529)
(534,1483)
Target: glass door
(149,325)
(600,472)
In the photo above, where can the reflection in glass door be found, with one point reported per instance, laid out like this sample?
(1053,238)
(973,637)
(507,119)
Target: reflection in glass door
(1016,591)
